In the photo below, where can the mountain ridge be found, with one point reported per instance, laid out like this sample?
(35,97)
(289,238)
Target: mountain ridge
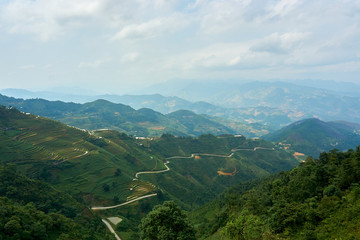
(313,136)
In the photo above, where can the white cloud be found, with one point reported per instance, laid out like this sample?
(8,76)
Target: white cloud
(93,64)
(172,37)
(48,18)
(152,28)
(130,58)
(219,16)
(280,44)
(283,8)
(234,61)
(28,66)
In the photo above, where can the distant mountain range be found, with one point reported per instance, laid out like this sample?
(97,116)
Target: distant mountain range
(326,99)
(144,122)
(267,117)
(313,136)
(272,104)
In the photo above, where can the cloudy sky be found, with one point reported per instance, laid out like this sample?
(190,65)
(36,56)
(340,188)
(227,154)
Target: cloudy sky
(116,45)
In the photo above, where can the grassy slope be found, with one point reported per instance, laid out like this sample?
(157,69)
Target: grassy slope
(312,136)
(81,162)
(44,148)
(190,179)
(48,150)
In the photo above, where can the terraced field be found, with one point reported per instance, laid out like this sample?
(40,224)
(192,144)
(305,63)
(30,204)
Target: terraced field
(107,168)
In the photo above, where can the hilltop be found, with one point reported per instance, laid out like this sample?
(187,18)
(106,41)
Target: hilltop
(313,136)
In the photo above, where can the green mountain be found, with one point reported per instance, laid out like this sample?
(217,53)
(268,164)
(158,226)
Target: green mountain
(320,199)
(99,167)
(313,136)
(102,114)
(256,118)
(198,124)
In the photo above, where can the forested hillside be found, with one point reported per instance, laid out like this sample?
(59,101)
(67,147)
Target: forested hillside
(320,199)
(32,209)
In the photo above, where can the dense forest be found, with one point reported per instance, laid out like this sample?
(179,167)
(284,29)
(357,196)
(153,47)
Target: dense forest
(31,209)
(319,199)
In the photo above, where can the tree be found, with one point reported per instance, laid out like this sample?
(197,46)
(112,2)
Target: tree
(106,187)
(166,221)
(117,172)
(116,200)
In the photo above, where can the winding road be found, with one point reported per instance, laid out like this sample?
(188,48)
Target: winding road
(165,170)
(252,150)
(111,229)
(156,171)
(125,203)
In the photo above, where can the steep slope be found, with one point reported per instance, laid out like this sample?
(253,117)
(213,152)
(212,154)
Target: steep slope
(69,158)
(320,199)
(32,209)
(214,162)
(107,167)
(312,136)
(197,124)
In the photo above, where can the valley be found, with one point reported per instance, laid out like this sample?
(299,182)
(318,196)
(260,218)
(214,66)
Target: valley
(122,177)
(106,167)
(193,155)
(122,162)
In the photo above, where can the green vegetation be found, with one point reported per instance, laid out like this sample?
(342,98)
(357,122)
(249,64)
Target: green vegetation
(70,159)
(98,167)
(199,174)
(102,114)
(166,221)
(320,199)
(32,209)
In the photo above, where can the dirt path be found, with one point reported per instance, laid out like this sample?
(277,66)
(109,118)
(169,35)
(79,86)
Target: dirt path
(157,171)
(202,154)
(252,150)
(111,229)
(125,203)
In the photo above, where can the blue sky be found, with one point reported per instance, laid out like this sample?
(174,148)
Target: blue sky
(114,46)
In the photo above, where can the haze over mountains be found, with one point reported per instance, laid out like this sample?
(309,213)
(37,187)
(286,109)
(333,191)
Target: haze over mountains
(179,120)
(274,104)
(144,122)
(195,147)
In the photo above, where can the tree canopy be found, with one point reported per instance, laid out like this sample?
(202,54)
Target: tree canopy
(165,222)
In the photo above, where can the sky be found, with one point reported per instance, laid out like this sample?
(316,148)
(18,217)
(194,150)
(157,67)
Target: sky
(114,46)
